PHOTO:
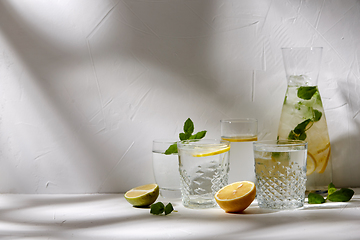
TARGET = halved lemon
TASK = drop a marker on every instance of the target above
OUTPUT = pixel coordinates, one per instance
(211, 151)
(142, 196)
(236, 197)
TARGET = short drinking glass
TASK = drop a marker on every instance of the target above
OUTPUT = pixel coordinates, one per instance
(204, 168)
(241, 133)
(280, 169)
(166, 169)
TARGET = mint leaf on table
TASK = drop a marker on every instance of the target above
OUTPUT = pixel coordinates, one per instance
(168, 208)
(157, 208)
(186, 135)
(331, 189)
(334, 195)
(314, 198)
(342, 195)
(306, 92)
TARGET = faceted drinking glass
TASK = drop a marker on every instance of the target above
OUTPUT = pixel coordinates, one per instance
(204, 169)
(280, 169)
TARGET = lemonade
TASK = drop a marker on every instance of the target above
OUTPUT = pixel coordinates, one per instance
(241, 158)
(303, 115)
(303, 118)
(280, 168)
(241, 133)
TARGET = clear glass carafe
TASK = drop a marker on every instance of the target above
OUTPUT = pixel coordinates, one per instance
(303, 116)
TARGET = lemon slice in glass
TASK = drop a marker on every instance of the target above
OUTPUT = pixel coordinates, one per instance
(142, 196)
(210, 151)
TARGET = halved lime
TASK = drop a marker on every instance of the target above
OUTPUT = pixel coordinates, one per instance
(142, 196)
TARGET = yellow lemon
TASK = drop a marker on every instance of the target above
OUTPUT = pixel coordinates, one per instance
(236, 197)
(142, 196)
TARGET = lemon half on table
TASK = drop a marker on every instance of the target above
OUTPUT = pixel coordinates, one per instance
(142, 196)
(236, 197)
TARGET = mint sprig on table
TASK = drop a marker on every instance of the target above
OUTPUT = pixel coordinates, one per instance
(186, 135)
(159, 208)
(334, 195)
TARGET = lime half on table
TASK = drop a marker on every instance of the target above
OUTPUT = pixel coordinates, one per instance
(142, 196)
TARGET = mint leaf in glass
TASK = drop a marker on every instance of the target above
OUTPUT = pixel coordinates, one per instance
(172, 149)
(317, 115)
(314, 198)
(301, 127)
(168, 208)
(186, 135)
(157, 208)
(188, 127)
(299, 131)
(306, 92)
(342, 195)
(198, 135)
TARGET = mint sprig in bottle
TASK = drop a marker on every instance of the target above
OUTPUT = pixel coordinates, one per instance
(303, 116)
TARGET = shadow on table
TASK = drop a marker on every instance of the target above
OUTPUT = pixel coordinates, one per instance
(59, 216)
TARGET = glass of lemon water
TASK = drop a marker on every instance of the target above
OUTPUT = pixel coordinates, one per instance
(280, 167)
(241, 133)
(204, 169)
(166, 169)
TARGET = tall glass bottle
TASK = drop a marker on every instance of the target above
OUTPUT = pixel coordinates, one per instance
(303, 116)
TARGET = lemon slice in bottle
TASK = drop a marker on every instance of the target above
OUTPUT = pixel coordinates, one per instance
(310, 164)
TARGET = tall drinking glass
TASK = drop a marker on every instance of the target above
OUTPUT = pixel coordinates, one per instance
(303, 115)
(204, 168)
(166, 169)
(241, 133)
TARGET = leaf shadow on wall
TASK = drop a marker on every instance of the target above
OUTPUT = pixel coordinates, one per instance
(33, 47)
(345, 148)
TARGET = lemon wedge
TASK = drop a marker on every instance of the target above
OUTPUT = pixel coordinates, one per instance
(236, 197)
(142, 196)
(211, 151)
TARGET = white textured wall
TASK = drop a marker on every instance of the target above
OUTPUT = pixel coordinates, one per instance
(85, 86)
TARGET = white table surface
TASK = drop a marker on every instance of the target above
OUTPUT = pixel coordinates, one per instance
(109, 216)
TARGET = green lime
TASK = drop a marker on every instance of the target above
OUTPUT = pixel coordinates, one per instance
(142, 196)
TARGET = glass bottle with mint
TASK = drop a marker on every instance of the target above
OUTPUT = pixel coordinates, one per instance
(303, 116)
